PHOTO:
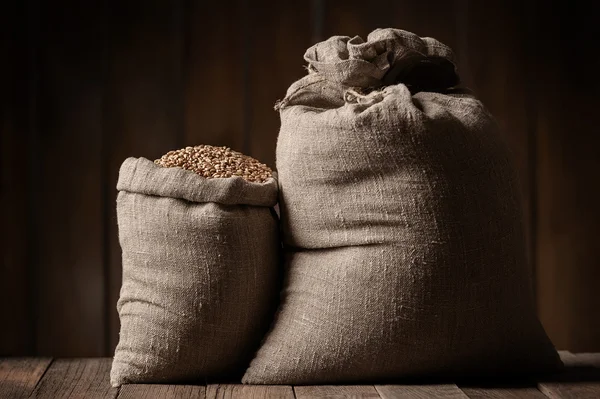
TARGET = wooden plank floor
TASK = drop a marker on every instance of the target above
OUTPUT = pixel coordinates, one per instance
(88, 378)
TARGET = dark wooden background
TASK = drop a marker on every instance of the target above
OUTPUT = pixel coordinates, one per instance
(87, 84)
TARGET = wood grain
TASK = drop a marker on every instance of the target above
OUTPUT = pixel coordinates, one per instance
(568, 163)
(77, 378)
(214, 74)
(421, 18)
(16, 156)
(89, 378)
(335, 391)
(278, 37)
(69, 250)
(143, 111)
(571, 390)
(516, 392)
(580, 379)
(353, 18)
(448, 391)
(19, 376)
(151, 391)
(498, 74)
(238, 391)
(572, 360)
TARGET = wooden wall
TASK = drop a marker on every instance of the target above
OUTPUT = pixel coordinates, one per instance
(87, 84)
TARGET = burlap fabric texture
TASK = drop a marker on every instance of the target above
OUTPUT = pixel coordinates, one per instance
(200, 270)
(402, 225)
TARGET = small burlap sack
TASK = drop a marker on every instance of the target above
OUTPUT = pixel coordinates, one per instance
(200, 266)
(401, 223)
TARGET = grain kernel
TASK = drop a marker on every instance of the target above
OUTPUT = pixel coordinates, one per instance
(216, 162)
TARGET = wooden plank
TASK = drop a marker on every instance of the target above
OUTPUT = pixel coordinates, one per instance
(151, 391)
(499, 392)
(215, 77)
(77, 378)
(499, 77)
(19, 376)
(580, 379)
(580, 359)
(581, 390)
(69, 251)
(16, 333)
(278, 35)
(238, 391)
(568, 165)
(335, 391)
(447, 391)
(143, 111)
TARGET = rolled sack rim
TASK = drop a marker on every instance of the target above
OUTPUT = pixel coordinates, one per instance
(142, 176)
(383, 59)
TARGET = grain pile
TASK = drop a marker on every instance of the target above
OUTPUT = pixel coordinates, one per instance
(216, 162)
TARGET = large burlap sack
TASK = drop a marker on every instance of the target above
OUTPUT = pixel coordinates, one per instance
(401, 223)
(200, 266)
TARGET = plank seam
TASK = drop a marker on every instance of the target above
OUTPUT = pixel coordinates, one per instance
(294, 391)
(378, 391)
(50, 363)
